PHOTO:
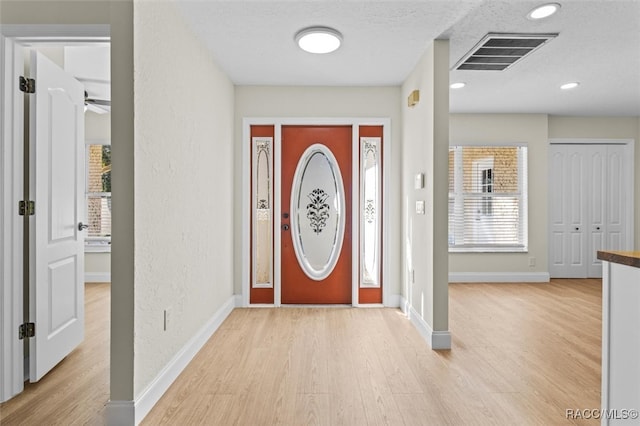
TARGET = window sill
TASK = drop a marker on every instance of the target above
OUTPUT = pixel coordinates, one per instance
(97, 248)
(488, 250)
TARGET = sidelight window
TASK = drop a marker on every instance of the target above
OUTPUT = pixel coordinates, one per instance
(262, 205)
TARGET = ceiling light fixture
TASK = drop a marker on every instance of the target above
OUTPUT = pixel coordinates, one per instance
(318, 39)
(569, 86)
(459, 85)
(543, 11)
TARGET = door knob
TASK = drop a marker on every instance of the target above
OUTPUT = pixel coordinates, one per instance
(82, 226)
(285, 227)
(577, 229)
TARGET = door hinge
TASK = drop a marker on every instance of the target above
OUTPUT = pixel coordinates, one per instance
(27, 208)
(27, 85)
(26, 330)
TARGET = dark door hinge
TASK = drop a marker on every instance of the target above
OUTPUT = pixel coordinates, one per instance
(26, 330)
(27, 208)
(27, 85)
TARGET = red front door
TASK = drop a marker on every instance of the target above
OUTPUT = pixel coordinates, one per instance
(316, 214)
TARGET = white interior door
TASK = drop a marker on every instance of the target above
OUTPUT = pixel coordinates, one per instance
(567, 213)
(56, 283)
(596, 188)
(619, 174)
(588, 208)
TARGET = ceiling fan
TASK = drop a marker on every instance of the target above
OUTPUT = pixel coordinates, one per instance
(99, 106)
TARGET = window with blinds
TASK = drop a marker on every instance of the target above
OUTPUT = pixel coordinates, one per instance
(488, 198)
(98, 193)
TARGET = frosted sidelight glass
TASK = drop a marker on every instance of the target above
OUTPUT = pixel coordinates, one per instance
(370, 202)
(262, 211)
(317, 212)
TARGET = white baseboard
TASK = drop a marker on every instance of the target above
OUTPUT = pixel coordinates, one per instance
(438, 340)
(97, 277)
(124, 413)
(393, 301)
(499, 277)
(237, 301)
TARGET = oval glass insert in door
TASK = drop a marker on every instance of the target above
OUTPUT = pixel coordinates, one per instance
(317, 212)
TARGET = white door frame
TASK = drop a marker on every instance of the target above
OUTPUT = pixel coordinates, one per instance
(11, 224)
(629, 212)
(278, 122)
(13, 38)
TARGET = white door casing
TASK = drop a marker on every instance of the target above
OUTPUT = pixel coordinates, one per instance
(56, 250)
(11, 224)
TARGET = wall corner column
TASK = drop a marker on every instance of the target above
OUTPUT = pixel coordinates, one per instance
(441, 195)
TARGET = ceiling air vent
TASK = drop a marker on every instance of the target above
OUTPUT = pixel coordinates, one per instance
(497, 52)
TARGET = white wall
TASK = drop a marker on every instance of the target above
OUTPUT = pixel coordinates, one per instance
(425, 133)
(260, 101)
(536, 130)
(507, 128)
(184, 198)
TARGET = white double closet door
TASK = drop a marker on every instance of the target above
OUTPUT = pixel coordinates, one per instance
(588, 207)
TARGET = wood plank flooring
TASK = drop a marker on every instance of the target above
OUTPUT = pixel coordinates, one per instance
(76, 391)
(522, 354)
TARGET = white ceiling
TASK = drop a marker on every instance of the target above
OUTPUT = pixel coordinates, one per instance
(598, 45)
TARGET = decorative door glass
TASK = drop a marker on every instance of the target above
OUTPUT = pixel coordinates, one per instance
(317, 212)
(262, 205)
(370, 202)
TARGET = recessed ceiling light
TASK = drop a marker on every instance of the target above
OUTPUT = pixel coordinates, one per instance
(318, 39)
(459, 85)
(568, 86)
(543, 11)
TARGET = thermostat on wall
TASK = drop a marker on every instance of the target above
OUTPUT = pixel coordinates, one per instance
(419, 181)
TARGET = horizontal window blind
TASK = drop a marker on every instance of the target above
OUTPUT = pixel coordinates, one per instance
(487, 198)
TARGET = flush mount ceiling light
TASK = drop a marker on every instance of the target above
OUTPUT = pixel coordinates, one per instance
(459, 85)
(318, 39)
(543, 11)
(569, 86)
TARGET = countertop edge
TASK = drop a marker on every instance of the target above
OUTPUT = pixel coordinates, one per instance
(629, 258)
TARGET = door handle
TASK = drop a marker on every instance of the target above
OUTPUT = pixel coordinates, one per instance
(82, 226)
(285, 227)
(577, 229)
(597, 228)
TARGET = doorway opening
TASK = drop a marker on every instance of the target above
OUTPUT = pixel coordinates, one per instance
(85, 60)
(314, 216)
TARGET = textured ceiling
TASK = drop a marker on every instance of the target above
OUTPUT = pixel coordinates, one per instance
(598, 45)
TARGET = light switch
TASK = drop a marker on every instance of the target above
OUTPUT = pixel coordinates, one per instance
(420, 207)
(419, 181)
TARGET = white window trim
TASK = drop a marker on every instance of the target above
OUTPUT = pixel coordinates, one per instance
(523, 189)
(94, 244)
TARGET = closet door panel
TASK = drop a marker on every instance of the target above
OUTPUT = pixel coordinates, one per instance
(596, 211)
(615, 206)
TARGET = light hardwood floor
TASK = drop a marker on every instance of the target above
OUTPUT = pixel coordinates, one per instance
(522, 354)
(76, 391)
